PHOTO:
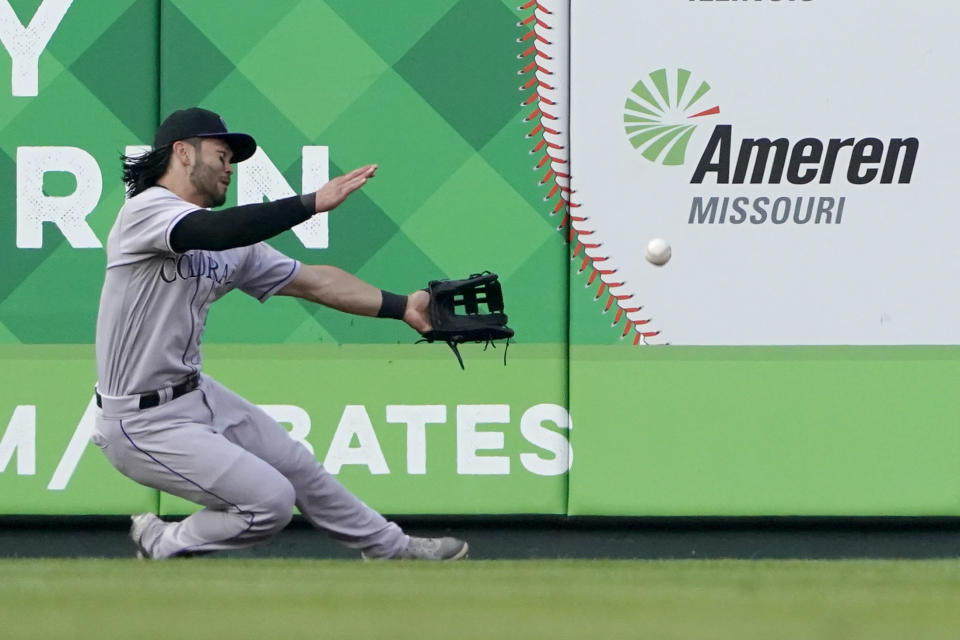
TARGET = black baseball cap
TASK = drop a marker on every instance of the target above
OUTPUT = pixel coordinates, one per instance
(201, 123)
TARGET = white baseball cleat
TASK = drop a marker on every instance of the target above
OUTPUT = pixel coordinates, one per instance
(138, 526)
(429, 549)
(434, 549)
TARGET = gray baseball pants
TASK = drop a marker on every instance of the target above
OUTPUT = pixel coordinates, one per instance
(218, 450)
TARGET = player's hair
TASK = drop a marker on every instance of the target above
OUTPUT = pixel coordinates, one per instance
(140, 172)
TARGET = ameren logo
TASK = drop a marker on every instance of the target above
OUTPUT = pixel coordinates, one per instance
(802, 162)
(659, 121)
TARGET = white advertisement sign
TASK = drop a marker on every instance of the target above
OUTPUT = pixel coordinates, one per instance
(799, 157)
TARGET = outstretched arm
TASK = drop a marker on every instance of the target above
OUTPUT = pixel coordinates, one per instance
(335, 288)
(248, 224)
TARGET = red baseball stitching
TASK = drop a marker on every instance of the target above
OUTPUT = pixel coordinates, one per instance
(545, 112)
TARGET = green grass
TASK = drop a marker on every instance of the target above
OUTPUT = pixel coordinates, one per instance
(283, 599)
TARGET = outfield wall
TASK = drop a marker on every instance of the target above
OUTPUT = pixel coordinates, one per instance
(809, 366)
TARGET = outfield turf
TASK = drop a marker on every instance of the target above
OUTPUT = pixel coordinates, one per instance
(280, 599)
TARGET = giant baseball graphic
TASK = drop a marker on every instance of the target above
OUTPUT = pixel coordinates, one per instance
(799, 157)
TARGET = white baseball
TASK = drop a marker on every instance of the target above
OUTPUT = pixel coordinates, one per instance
(658, 252)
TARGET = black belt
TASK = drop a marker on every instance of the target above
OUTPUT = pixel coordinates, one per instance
(152, 399)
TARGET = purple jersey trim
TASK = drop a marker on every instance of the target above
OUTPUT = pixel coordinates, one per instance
(177, 218)
(203, 327)
(198, 486)
(282, 283)
(193, 326)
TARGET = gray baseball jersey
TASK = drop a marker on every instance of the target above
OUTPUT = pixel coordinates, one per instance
(154, 303)
(210, 445)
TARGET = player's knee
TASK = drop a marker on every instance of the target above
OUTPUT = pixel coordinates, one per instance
(276, 512)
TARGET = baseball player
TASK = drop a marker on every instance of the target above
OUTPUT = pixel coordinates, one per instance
(164, 423)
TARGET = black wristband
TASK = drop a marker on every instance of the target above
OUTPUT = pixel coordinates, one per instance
(393, 305)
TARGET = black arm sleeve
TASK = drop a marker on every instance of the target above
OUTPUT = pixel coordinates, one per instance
(239, 226)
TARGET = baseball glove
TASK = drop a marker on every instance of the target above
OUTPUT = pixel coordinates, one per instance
(449, 296)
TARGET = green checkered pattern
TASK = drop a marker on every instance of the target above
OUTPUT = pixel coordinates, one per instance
(429, 93)
(98, 82)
